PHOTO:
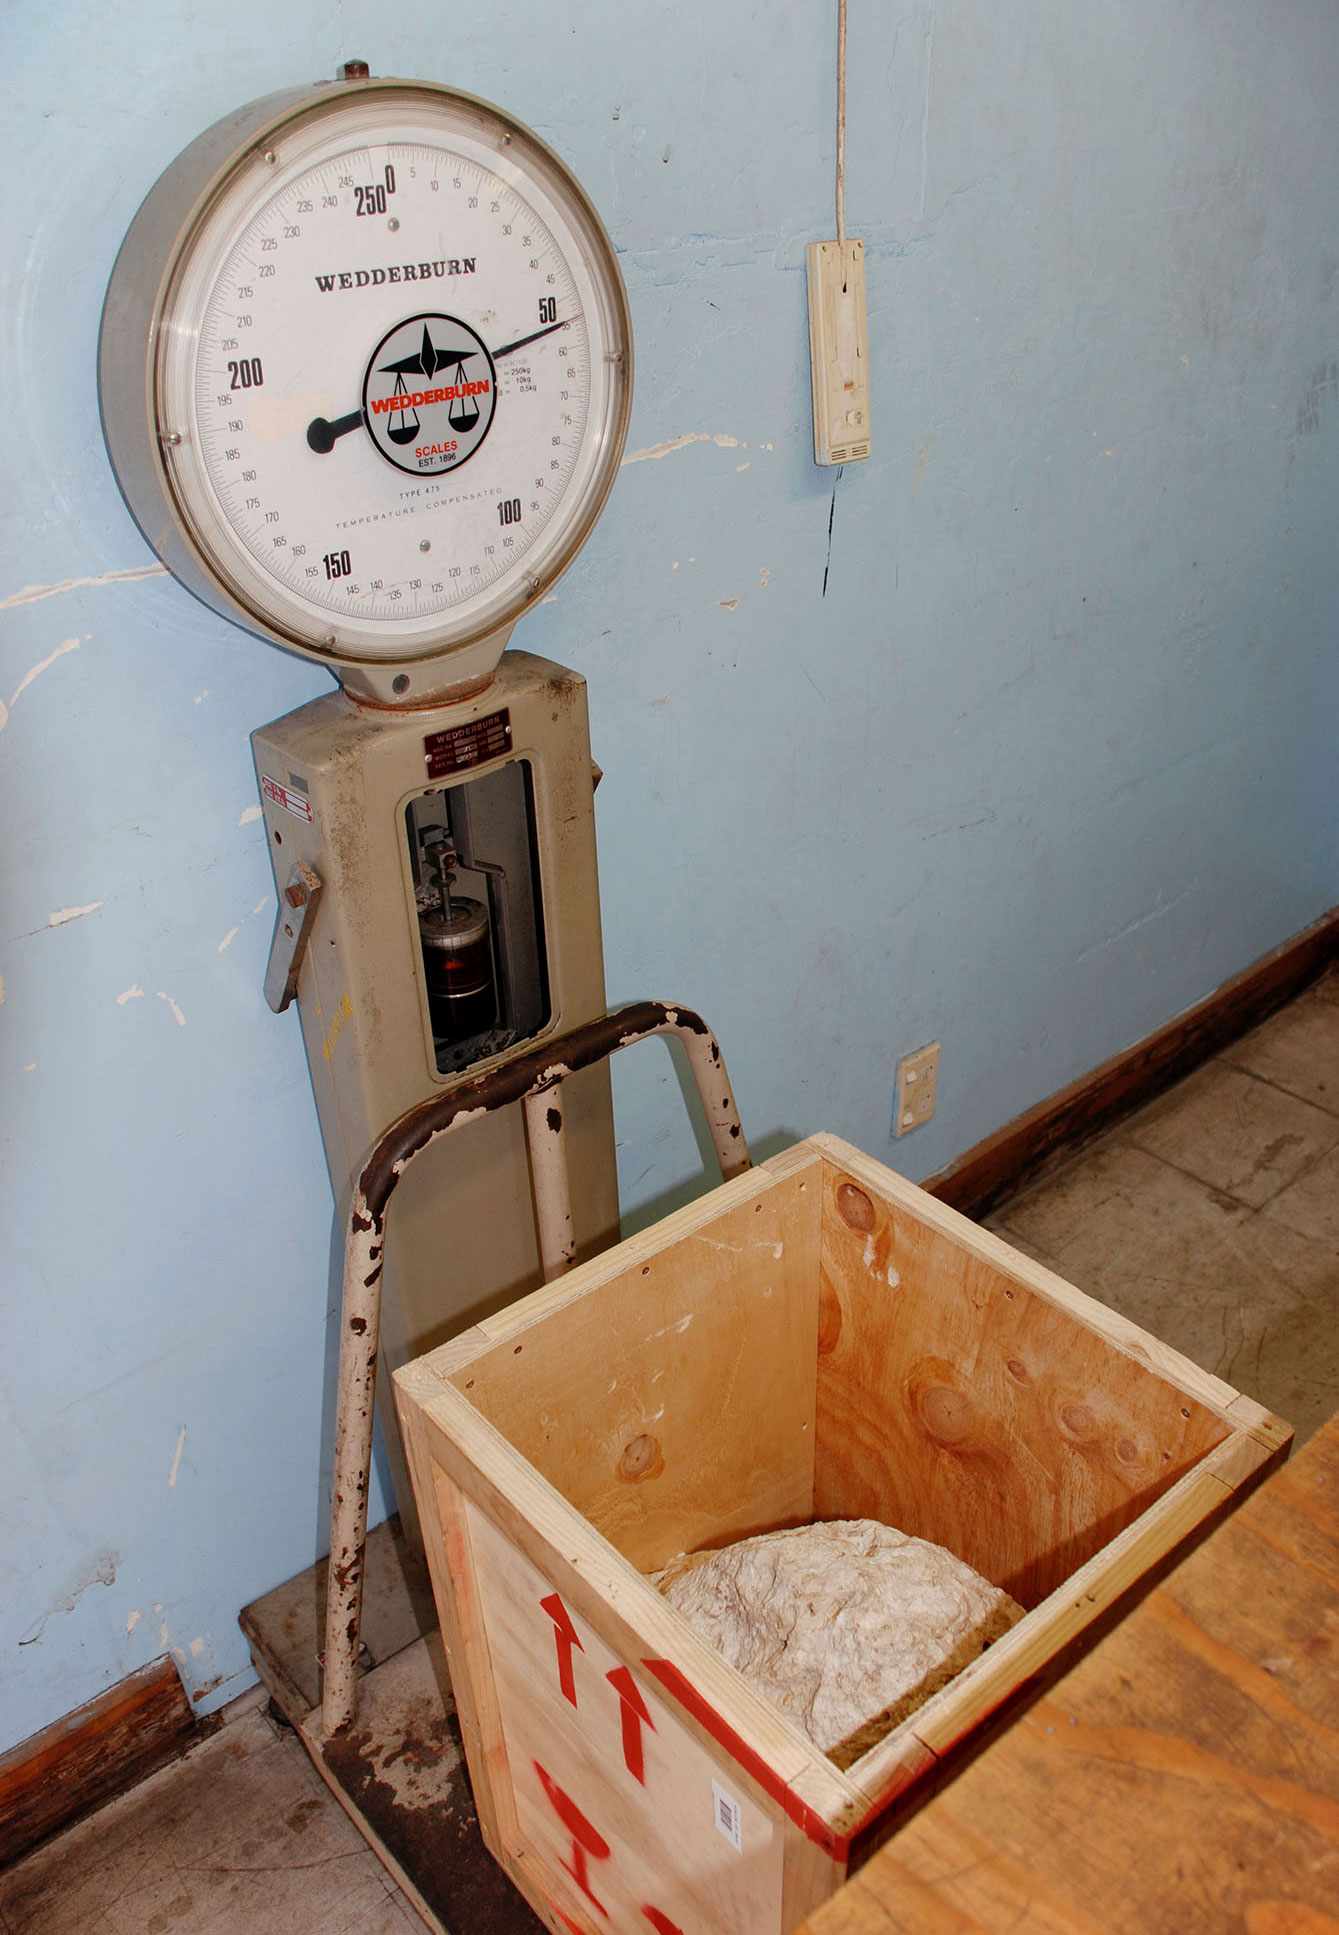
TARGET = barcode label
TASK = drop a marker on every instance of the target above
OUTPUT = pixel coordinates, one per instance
(729, 1816)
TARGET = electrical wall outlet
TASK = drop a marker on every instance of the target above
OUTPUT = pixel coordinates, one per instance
(917, 1079)
(838, 351)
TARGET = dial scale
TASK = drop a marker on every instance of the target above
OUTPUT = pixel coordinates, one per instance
(365, 373)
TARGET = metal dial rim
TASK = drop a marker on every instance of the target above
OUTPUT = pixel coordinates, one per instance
(534, 170)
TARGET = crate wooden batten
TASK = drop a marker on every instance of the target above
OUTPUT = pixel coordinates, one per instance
(741, 1399)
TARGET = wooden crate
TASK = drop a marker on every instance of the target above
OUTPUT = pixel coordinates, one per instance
(816, 1339)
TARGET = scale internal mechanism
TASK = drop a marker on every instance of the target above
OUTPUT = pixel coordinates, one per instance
(480, 920)
(365, 374)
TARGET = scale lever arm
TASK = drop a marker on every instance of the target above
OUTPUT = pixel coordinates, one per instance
(292, 930)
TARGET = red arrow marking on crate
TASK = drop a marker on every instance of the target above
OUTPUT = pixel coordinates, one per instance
(586, 1839)
(635, 1717)
(566, 1637)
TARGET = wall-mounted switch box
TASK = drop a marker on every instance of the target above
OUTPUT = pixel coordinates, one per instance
(917, 1078)
(838, 351)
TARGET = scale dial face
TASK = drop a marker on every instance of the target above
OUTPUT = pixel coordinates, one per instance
(391, 371)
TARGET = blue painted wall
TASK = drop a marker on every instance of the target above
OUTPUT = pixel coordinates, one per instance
(1017, 736)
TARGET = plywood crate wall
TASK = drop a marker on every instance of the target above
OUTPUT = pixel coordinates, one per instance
(817, 1339)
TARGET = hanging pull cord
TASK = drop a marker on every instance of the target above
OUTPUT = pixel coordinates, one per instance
(841, 136)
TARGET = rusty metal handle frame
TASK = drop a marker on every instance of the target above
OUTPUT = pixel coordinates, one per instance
(533, 1079)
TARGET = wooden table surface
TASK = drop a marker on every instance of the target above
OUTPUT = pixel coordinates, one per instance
(1185, 1775)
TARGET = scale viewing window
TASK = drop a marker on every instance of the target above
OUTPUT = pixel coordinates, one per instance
(474, 863)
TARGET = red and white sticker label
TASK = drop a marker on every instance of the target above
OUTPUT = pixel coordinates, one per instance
(294, 803)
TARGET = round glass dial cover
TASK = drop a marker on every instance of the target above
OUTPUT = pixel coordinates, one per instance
(391, 373)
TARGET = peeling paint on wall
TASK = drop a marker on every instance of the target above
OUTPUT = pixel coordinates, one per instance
(233, 932)
(655, 451)
(177, 1015)
(34, 671)
(31, 593)
(1122, 932)
(249, 814)
(132, 993)
(100, 1570)
(176, 1460)
(63, 915)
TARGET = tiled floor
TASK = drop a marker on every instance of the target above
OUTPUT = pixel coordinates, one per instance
(1211, 1218)
(240, 1838)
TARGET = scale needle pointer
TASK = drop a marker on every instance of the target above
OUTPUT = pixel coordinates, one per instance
(521, 341)
(322, 434)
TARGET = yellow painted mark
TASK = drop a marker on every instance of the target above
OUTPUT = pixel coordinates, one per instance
(343, 1013)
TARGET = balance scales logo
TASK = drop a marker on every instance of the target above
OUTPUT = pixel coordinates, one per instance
(429, 394)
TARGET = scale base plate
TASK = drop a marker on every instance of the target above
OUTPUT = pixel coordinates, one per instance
(399, 1773)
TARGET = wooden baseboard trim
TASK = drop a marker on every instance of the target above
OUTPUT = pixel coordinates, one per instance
(1001, 1163)
(49, 1782)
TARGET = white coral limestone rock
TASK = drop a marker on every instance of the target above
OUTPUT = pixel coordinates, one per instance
(846, 1625)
